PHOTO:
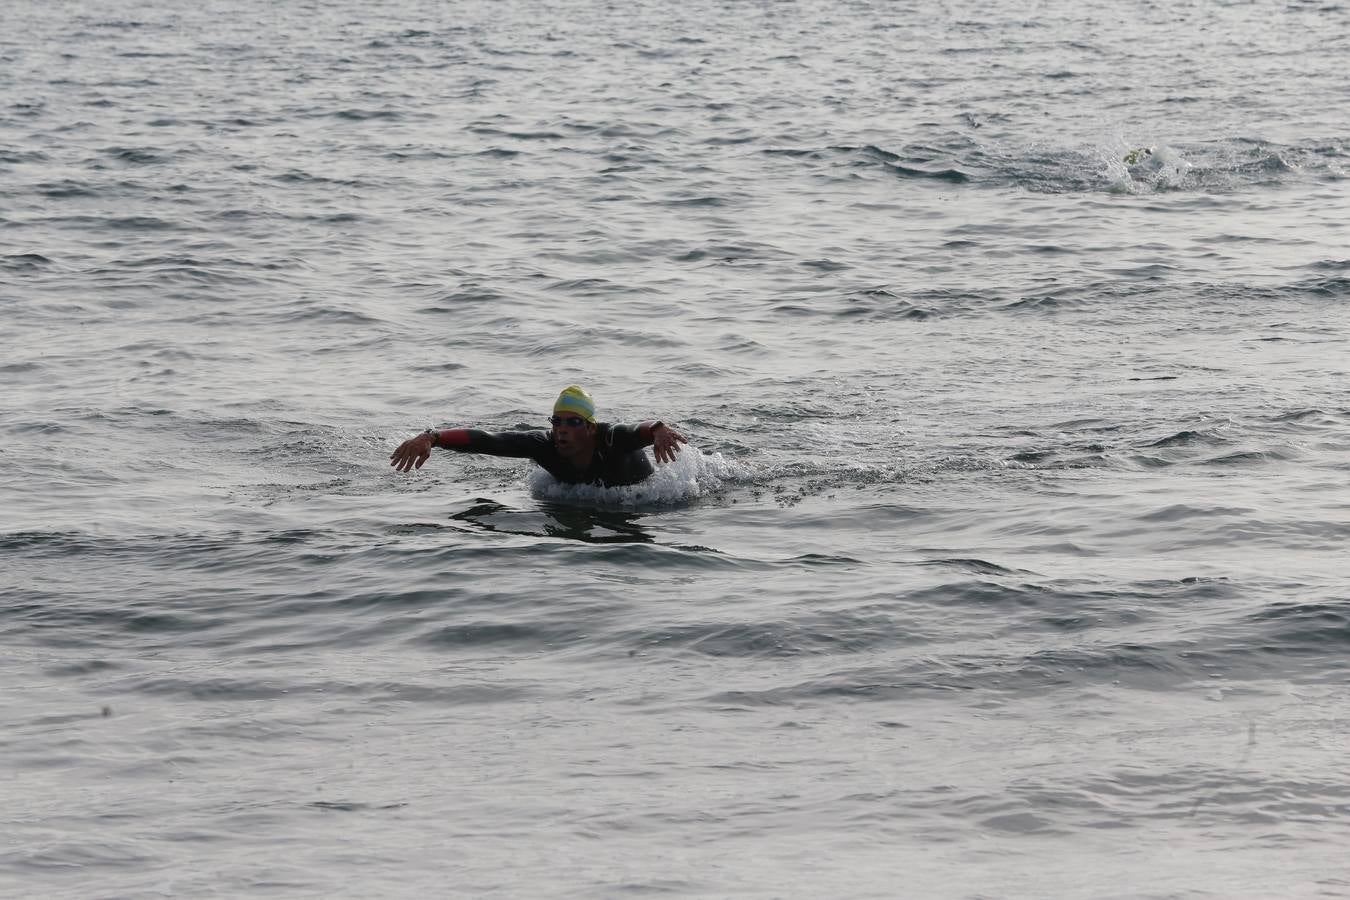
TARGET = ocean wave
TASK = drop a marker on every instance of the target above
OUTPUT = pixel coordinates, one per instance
(1219, 166)
(24, 262)
(1161, 666)
(243, 689)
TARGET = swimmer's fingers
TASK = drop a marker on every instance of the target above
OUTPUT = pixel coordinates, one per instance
(666, 444)
(411, 454)
(412, 460)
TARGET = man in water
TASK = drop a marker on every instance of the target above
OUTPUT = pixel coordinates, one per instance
(577, 450)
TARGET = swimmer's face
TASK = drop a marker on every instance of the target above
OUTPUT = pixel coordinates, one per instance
(570, 431)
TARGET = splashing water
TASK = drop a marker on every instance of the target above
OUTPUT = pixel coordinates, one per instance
(692, 475)
(1147, 168)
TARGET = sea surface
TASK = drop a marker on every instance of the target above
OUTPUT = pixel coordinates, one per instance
(1007, 559)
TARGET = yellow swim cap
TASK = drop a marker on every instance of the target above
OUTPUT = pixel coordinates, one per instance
(576, 401)
(1137, 155)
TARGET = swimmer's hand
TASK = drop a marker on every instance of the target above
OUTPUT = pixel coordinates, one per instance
(666, 443)
(411, 453)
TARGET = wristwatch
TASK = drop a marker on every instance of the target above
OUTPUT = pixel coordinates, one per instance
(435, 437)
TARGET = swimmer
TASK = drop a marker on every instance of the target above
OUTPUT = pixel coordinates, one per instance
(576, 450)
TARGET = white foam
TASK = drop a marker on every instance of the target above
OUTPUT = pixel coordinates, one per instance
(693, 474)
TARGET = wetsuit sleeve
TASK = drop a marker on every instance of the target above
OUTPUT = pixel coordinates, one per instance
(523, 444)
(626, 438)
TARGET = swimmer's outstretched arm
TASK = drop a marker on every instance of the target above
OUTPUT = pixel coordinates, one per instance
(415, 451)
(665, 440)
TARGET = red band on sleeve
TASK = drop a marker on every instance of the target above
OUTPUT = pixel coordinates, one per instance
(453, 437)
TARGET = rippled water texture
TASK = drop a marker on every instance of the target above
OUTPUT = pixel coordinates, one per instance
(1007, 558)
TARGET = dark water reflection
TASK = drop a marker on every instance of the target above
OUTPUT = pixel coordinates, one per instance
(558, 520)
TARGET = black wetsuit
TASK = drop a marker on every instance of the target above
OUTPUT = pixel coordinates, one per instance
(618, 457)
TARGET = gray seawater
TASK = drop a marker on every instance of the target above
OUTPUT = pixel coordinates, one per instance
(1008, 558)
